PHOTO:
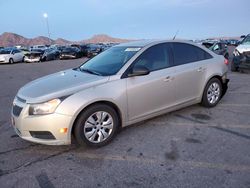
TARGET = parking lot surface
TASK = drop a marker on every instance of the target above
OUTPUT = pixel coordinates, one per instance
(192, 147)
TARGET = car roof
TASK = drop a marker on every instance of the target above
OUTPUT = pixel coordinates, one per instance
(143, 43)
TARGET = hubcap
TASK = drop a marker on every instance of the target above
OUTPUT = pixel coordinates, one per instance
(98, 127)
(213, 93)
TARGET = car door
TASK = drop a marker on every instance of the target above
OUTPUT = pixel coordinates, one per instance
(191, 65)
(14, 55)
(17, 55)
(153, 92)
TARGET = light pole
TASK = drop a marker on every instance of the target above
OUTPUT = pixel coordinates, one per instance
(45, 15)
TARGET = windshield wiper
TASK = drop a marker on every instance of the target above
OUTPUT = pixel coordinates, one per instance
(90, 71)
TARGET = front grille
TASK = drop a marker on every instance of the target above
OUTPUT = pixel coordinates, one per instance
(42, 135)
(16, 110)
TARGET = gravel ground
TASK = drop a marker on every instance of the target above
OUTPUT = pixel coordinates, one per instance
(192, 147)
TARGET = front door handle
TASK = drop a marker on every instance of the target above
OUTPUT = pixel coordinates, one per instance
(168, 79)
(201, 69)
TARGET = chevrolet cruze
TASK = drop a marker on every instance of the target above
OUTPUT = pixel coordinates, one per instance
(125, 84)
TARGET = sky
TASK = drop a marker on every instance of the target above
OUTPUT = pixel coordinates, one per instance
(132, 19)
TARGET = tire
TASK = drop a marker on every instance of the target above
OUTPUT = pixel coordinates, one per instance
(234, 68)
(212, 93)
(89, 129)
(11, 61)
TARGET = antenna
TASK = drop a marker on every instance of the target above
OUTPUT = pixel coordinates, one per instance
(176, 34)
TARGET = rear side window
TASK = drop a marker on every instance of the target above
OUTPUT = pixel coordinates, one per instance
(154, 58)
(187, 53)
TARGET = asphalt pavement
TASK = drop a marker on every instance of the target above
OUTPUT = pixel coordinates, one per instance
(192, 147)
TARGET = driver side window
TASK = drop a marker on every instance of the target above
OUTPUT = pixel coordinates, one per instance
(154, 58)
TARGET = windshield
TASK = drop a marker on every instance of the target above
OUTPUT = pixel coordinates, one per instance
(111, 61)
(246, 40)
(5, 51)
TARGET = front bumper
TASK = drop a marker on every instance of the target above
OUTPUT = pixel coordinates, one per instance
(242, 61)
(67, 56)
(25, 126)
(32, 60)
(3, 61)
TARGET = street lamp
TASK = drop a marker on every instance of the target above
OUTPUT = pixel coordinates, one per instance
(45, 15)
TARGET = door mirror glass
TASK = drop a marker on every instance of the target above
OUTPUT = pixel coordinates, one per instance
(139, 71)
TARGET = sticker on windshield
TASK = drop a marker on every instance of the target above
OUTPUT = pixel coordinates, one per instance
(132, 49)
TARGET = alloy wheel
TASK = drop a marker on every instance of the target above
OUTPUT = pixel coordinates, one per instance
(213, 93)
(98, 127)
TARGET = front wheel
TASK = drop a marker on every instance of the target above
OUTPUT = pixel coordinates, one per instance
(11, 61)
(212, 93)
(96, 126)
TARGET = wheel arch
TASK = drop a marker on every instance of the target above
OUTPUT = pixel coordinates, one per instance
(218, 76)
(106, 102)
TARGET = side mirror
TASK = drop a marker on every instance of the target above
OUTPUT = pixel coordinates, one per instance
(242, 36)
(138, 71)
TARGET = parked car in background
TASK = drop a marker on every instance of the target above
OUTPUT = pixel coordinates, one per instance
(208, 44)
(60, 48)
(24, 50)
(93, 50)
(123, 85)
(241, 59)
(50, 54)
(70, 53)
(233, 42)
(33, 57)
(82, 48)
(11, 55)
(220, 48)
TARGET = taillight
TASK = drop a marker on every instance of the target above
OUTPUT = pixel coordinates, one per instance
(226, 61)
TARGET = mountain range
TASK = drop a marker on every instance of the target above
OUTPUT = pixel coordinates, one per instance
(12, 39)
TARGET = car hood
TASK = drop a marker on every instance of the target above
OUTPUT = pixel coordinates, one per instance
(58, 85)
(243, 48)
(4, 55)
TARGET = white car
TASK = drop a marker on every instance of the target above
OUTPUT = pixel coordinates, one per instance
(11, 55)
(241, 58)
(244, 46)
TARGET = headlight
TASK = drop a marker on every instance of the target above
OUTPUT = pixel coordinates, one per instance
(236, 53)
(44, 108)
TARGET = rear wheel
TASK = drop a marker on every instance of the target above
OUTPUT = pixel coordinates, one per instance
(212, 93)
(96, 126)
